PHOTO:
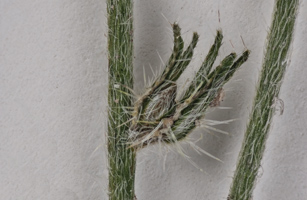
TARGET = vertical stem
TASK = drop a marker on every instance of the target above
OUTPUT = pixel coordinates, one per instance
(273, 68)
(121, 158)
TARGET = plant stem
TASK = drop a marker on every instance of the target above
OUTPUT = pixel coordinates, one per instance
(273, 69)
(121, 158)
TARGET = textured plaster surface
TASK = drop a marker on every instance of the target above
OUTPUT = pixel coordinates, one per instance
(53, 94)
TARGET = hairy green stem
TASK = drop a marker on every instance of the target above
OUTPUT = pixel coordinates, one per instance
(273, 68)
(121, 158)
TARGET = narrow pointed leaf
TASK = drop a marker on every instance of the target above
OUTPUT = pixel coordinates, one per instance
(206, 66)
(183, 60)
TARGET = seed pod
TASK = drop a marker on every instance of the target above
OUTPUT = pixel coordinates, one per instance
(160, 102)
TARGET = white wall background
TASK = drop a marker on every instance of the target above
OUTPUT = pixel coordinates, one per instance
(53, 93)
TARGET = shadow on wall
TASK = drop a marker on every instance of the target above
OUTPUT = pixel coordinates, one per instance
(88, 27)
(152, 40)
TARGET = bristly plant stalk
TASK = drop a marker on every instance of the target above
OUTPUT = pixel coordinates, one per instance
(273, 69)
(120, 46)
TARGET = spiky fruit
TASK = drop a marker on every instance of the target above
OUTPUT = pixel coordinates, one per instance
(158, 117)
